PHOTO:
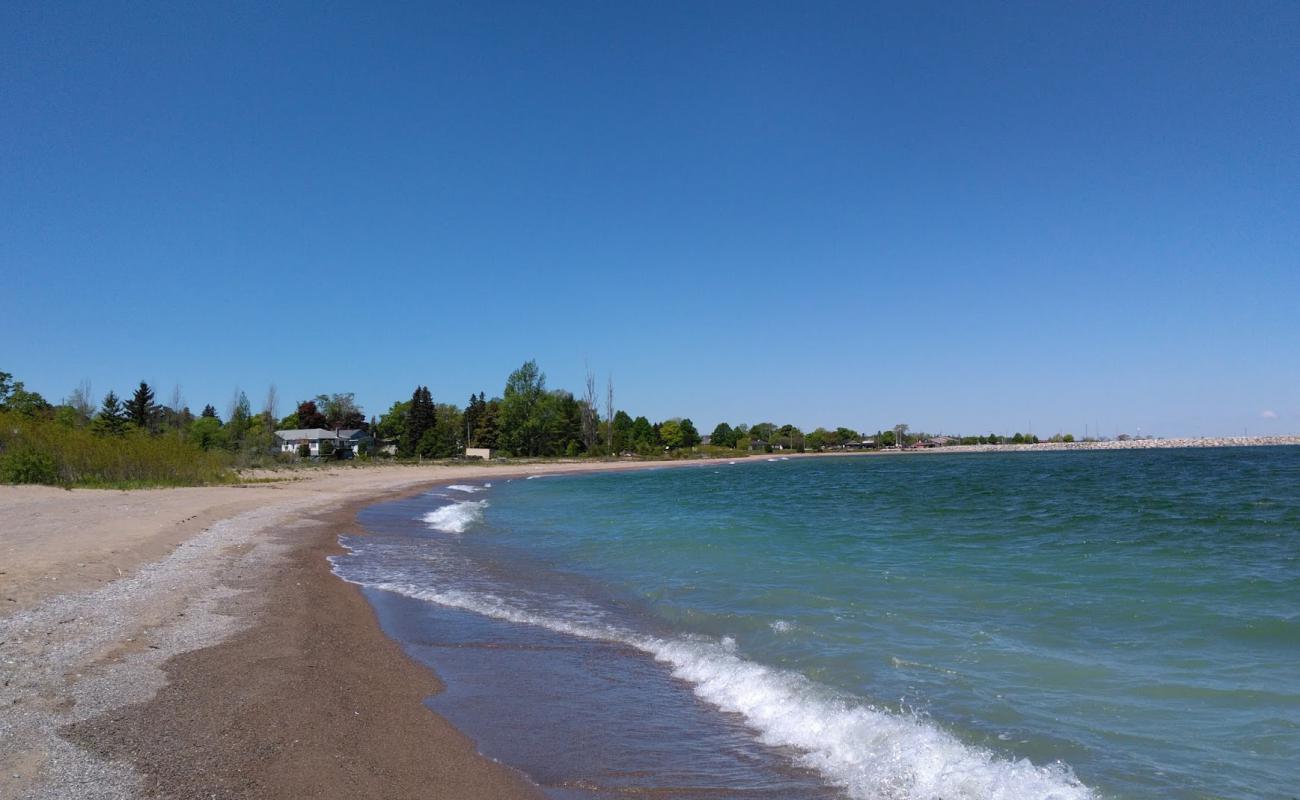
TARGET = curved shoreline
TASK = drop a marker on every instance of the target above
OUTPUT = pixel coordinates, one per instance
(226, 661)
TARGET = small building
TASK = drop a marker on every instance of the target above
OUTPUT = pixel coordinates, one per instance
(758, 444)
(939, 441)
(355, 441)
(484, 453)
(320, 442)
(861, 444)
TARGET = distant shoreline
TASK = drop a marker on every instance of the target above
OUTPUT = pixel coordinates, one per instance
(1131, 444)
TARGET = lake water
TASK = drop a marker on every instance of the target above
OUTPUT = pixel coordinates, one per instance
(1049, 625)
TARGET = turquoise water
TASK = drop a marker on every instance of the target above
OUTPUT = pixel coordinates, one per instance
(1122, 624)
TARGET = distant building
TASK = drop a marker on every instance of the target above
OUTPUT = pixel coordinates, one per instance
(939, 441)
(861, 444)
(342, 444)
(484, 453)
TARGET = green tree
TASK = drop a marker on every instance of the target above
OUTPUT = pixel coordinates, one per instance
(690, 436)
(420, 419)
(621, 438)
(643, 437)
(110, 419)
(523, 420)
(1069, 437)
(207, 433)
(763, 430)
(485, 433)
(473, 415)
(26, 403)
(241, 419)
(341, 411)
(671, 434)
(391, 426)
(723, 436)
(15, 397)
(141, 410)
(210, 412)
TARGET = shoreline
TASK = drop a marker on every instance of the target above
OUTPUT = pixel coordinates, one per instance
(224, 658)
(1129, 444)
(227, 661)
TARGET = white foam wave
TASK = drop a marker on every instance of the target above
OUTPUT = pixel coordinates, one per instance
(533, 477)
(781, 626)
(461, 487)
(457, 517)
(868, 752)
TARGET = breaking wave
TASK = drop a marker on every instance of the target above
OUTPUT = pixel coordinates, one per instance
(868, 752)
(457, 517)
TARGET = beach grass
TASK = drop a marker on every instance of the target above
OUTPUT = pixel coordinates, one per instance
(35, 450)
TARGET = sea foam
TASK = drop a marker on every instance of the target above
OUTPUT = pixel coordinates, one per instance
(868, 752)
(461, 487)
(457, 517)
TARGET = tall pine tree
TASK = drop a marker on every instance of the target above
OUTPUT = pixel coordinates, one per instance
(473, 415)
(420, 419)
(141, 409)
(110, 418)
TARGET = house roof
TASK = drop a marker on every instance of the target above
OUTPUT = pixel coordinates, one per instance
(306, 433)
(351, 433)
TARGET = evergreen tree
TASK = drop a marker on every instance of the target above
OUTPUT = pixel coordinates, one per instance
(141, 410)
(209, 412)
(485, 433)
(622, 437)
(473, 414)
(420, 419)
(110, 419)
(690, 436)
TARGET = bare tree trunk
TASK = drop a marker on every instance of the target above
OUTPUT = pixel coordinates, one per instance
(609, 414)
(175, 403)
(590, 416)
(271, 407)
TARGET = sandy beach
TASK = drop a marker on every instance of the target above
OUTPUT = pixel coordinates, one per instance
(193, 643)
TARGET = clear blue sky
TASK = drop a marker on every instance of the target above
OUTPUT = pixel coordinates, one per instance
(958, 216)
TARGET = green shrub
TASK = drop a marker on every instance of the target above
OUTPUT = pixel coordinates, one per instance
(27, 466)
(37, 450)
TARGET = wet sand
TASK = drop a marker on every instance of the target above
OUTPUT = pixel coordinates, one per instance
(311, 701)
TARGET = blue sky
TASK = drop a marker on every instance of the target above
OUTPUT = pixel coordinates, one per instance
(960, 216)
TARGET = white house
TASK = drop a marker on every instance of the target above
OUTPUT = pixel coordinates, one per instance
(342, 444)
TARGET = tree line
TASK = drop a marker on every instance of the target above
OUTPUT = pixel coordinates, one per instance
(527, 419)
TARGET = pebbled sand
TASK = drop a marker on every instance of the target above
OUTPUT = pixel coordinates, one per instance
(192, 643)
